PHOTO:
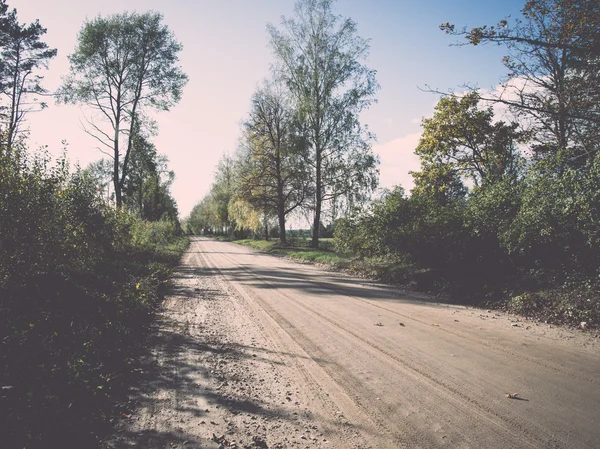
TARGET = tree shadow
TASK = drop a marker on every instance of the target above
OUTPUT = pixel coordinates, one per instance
(176, 362)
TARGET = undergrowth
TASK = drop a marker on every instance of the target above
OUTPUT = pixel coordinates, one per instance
(78, 284)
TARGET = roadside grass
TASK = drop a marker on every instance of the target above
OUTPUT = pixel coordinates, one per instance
(299, 250)
(263, 245)
(222, 238)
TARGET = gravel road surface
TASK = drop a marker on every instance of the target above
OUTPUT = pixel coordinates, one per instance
(256, 351)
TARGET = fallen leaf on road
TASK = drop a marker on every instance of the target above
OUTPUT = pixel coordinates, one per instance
(456, 321)
(436, 325)
(402, 324)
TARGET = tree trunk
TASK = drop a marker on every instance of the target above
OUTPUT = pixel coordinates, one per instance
(116, 171)
(266, 224)
(116, 182)
(318, 200)
(13, 106)
(141, 197)
(282, 238)
(280, 205)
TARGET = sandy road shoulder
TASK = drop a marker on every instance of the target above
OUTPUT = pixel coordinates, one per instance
(215, 378)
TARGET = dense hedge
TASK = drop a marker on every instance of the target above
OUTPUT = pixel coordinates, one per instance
(78, 280)
(535, 242)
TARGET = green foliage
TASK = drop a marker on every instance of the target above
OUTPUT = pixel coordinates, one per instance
(557, 228)
(211, 215)
(123, 64)
(462, 141)
(245, 215)
(321, 58)
(77, 281)
(22, 55)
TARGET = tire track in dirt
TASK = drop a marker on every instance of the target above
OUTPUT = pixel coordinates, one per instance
(525, 431)
(330, 399)
(445, 392)
(476, 341)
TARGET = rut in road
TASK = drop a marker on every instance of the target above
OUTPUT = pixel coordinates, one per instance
(472, 402)
(364, 380)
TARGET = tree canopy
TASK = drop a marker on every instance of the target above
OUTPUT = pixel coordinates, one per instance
(22, 55)
(553, 66)
(320, 57)
(122, 65)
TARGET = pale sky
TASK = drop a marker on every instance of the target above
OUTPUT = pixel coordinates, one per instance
(226, 56)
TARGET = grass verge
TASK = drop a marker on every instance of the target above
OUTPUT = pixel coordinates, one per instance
(298, 252)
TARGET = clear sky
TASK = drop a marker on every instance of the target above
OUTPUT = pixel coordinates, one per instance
(226, 56)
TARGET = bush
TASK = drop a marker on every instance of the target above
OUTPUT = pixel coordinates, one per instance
(147, 235)
(557, 228)
(571, 303)
(77, 281)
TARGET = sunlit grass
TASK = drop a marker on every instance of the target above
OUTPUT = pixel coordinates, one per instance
(262, 245)
(322, 255)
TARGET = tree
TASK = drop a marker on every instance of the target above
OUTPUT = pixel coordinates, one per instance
(273, 168)
(222, 191)
(320, 57)
(157, 202)
(462, 140)
(553, 66)
(440, 182)
(122, 65)
(202, 219)
(142, 165)
(22, 54)
(147, 186)
(246, 217)
(100, 172)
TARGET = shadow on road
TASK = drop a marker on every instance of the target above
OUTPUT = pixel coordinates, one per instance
(179, 371)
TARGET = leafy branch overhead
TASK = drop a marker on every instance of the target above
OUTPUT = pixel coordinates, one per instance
(553, 62)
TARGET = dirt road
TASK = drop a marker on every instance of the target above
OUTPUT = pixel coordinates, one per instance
(257, 351)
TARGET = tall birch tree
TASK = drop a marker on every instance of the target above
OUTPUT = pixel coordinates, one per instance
(273, 169)
(321, 59)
